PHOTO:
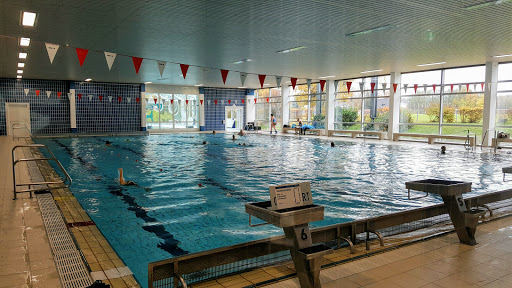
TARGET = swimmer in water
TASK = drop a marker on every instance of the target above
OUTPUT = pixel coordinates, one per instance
(213, 132)
(107, 143)
(443, 149)
(241, 133)
(122, 181)
(204, 142)
(332, 144)
(234, 138)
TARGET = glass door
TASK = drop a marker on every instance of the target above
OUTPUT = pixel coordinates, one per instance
(233, 118)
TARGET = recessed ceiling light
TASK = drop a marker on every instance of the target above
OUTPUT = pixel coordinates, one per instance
(371, 30)
(148, 82)
(24, 41)
(430, 64)
(29, 18)
(88, 80)
(19, 71)
(198, 85)
(501, 56)
(323, 77)
(19, 76)
(291, 49)
(370, 71)
(22, 55)
(21, 65)
(243, 61)
(243, 87)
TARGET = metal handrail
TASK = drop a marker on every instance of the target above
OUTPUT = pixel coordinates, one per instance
(24, 126)
(182, 281)
(65, 183)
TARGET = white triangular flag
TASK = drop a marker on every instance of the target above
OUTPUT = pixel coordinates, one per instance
(361, 86)
(278, 80)
(110, 59)
(336, 85)
(405, 87)
(425, 88)
(222, 102)
(70, 95)
(90, 97)
(128, 99)
(208, 101)
(474, 87)
(308, 81)
(110, 99)
(242, 78)
(235, 100)
(48, 93)
(26, 91)
(460, 87)
(161, 67)
(384, 86)
(52, 50)
(179, 102)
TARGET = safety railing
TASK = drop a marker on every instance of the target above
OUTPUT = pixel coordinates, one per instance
(42, 185)
(20, 126)
(235, 258)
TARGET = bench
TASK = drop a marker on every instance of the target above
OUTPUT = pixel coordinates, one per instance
(496, 141)
(433, 138)
(355, 133)
(320, 132)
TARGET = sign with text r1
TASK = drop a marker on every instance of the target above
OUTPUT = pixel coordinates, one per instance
(290, 195)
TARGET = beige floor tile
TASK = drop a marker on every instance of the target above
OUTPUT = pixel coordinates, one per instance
(427, 274)
(340, 283)
(14, 279)
(497, 284)
(408, 281)
(454, 282)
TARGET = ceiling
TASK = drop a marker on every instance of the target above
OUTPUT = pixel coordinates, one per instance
(215, 34)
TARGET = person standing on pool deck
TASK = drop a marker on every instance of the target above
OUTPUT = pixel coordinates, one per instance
(273, 123)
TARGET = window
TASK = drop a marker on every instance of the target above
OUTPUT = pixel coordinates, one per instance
(308, 105)
(504, 99)
(268, 101)
(171, 111)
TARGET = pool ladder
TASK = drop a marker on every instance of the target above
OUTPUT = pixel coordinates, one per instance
(64, 183)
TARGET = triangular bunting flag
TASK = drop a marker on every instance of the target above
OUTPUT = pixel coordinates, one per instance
(278, 80)
(101, 97)
(294, 82)
(161, 67)
(242, 101)
(37, 92)
(172, 101)
(119, 99)
(460, 87)
(415, 87)
(242, 77)
(79, 96)
(201, 101)
(208, 102)
(467, 87)
(384, 86)
(322, 85)
(229, 102)
(26, 91)
(394, 87)
(434, 87)
(52, 50)
(425, 86)
(69, 95)
(372, 86)
(361, 86)
(262, 79)
(474, 87)
(136, 63)
(254, 100)
(222, 102)
(186, 102)
(110, 57)
(336, 82)
(348, 86)
(48, 93)
(129, 99)
(215, 102)
(482, 84)
(267, 100)
(110, 99)
(58, 94)
(405, 87)
(451, 88)
(184, 69)
(224, 74)
(81, 53)
(308, 82)
(156, 99)
(137, 99)
(90, 97)
(235, 102)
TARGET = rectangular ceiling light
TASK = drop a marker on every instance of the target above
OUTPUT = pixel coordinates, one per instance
(371, 30)
(25, 42)
(22, 55)
(370, 71)
(291, 49)
(323, 77)
(430, 64)
(148, 82)
(21, 65)
(88, 80)
(29, 19)
(198, 85)
(243, 87)
(19, 76)
(483, 4)
(243, 61)
(501, 56)
(19, 71)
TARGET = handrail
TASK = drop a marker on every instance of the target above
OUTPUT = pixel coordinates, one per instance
(24, 126)
(66, 182)
(182, 281)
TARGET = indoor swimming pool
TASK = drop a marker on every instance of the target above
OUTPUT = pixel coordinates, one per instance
(169, 214)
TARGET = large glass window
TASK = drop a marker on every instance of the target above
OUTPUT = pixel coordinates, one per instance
(308, 105)
(362, 109)
(268, 101)
(504, 99)
(171, 111)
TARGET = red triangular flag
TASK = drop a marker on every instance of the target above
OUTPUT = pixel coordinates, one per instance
(155, 100)
(58, 94)
(79, 96)
(482, 86)
(184, 69)
(101, 97)
(242, 101)
(215, 102)
(372, 85)
(349, 84)
(294, 82)
(201, 102)
(451, 88)
(262, 79)
(467, 87)
(394, 87)
(224, 74)
(81, 53)
(37, 92)
(267, 100)
(172, 101)
(322, 85)
(254, 100)
(119, 99)
(136, 63)
(186, 102)
(137, 99)
(229, 102)
(415, 87)
(434, 86)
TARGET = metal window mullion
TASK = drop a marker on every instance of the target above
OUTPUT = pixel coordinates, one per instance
(441, 92)
(173, 116)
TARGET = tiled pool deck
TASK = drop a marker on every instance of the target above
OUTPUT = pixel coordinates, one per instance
(26, 259)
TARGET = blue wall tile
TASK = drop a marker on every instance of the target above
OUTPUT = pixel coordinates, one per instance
(215, 113)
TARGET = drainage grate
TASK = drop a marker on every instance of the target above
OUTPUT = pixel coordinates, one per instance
(72, 270)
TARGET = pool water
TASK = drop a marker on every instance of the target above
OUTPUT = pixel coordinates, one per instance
(168, 214)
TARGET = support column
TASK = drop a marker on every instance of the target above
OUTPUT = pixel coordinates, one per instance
(72, 107)
(490, 95)
(330, 95)
(250, 108)
(202, 126)
(142, 107)
(285, 109)
(394, 104)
